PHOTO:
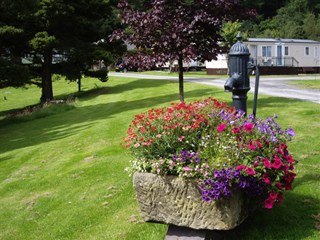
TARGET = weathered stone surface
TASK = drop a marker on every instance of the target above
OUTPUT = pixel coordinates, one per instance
(173, 200)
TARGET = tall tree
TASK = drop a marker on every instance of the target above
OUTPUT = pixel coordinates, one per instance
(63, 36)
(167, 30)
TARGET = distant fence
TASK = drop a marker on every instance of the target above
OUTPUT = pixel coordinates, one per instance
(277, 61)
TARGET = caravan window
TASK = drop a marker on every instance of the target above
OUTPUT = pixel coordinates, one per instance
(286, 51)
(307, 51)
(266, 51)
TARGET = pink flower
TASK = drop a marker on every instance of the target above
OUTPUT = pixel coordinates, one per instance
(240, 167)
(252, 147)
(250, 171)
(248, 127)
(235, 130)
(221, 127)
(289, 158)
(277, 163)
(181, 138)
(273, 195)
(266, 163)
(187, 169)
(147, 143)
(136, 145)
(258, 143)
(283, 146)
(158, 135)
(279, 186)
(285, 168)
(268, 203)
(266, 179)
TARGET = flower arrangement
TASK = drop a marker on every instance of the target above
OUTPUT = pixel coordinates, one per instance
(218, 147)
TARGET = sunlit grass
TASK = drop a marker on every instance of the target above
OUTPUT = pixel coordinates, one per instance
(62, 173)
(308, 84)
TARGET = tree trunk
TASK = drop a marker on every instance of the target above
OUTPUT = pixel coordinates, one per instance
(181, 91)
(47, 92)
(79, 84)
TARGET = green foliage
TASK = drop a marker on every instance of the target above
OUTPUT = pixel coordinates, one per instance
(292, 19)
(230, 30)
(75, 31)
(42, 40)
(14, 75)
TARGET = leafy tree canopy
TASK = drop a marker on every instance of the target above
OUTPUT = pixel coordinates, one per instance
(166, 30)
(64, 36)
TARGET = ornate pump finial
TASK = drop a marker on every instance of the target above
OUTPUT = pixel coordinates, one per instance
(239, 37)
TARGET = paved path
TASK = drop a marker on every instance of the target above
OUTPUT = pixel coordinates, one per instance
(273, 86)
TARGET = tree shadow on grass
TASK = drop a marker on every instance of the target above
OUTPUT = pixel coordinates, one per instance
(98, 91)
(71, 122)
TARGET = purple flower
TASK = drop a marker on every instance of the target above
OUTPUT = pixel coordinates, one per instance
(290, 132)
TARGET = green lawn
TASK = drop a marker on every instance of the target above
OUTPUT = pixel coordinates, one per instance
(308, 84)
(62, 172)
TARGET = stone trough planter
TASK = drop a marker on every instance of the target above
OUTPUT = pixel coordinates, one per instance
(174, 200)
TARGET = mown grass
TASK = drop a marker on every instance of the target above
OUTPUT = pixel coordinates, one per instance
(62, 174)
(309, 84)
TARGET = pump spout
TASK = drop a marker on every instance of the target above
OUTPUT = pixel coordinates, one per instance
(232, 82)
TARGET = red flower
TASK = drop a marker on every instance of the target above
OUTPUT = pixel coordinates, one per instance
(142, 130)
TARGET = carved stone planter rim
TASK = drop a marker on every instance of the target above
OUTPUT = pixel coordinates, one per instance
(177, 201)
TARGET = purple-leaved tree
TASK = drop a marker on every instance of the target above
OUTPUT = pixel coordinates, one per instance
(183, 30)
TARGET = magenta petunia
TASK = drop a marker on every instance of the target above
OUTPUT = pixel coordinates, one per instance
(289, 158)
(273, 195)
(251, 147)
(266, 179)
(277, 163)
(248, 127)
(241, 167)
(221, 127)
(268, 203)
(267, 163)
(250, 171)
(279, 186)
(235, 130)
